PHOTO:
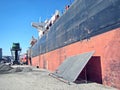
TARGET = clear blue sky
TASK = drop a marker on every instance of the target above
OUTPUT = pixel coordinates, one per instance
(16, 17)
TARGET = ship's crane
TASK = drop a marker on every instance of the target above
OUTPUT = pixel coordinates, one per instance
(15, 51)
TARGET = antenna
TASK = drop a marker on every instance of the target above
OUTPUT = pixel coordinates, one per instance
(40, 19)
(70, 2)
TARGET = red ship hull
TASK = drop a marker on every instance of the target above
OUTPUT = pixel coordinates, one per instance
(107, 56)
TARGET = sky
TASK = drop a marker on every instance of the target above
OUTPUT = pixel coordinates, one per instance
(16, 17)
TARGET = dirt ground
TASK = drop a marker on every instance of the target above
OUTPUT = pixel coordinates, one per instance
(31, 78)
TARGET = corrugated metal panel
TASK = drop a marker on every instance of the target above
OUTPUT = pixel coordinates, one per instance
(72, 66)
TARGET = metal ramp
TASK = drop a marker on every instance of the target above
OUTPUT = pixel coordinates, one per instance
(70, 69)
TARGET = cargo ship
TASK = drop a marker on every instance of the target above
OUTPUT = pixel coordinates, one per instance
(86, 26)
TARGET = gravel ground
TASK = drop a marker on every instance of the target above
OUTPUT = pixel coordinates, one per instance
(30, 78)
